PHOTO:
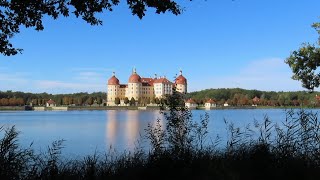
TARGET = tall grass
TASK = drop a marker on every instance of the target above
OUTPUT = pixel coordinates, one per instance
(290, 150)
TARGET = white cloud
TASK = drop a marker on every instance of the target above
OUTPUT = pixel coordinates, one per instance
(67, 87)
(82, 81)
(12, 81)
(268, 74)
(89, 76)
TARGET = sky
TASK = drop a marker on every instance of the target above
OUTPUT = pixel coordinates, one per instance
(216, 43)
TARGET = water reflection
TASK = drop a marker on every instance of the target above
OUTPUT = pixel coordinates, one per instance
(126, 129)
(132, 128)
(122, 129)
(111, 127)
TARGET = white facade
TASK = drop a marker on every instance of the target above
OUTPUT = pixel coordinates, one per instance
(161, 89)
(210, 105)
(50, 103)
(191, 105)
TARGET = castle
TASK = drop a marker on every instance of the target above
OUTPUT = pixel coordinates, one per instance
(143, 89)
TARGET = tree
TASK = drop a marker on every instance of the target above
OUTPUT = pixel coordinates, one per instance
(58, 100)
(140, 101)
(20, 101)
(99, 100)
(156, 100)
(65, 100)
(126, 101)
(90, 101)
(117, 101)
(12, 102)
(34, 101)
(148, 101)
(304, 63)
(30, 14)
(79, 101)
(39, 101)
(152, 100)
(43, 101)
(132, 101)
(4, 102)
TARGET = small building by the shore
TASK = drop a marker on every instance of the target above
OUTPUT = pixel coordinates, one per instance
(51, 103)
(210, 104)
(255, 101)
(191, 104)
(226, 104)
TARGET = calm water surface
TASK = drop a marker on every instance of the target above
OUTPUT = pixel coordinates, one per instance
(85, 132)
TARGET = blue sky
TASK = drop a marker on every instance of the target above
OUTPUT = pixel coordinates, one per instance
(217, 44)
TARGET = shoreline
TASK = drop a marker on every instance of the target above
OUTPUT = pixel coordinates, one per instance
(84, 108)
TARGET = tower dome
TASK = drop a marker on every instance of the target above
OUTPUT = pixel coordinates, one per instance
(181, 79)
(113, 80)
(134, 78)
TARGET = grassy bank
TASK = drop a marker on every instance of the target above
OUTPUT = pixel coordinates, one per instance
(12, 108)
(111, 108)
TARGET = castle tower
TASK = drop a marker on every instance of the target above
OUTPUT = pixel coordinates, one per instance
(113, 89)
(181, 83)
(134, 86)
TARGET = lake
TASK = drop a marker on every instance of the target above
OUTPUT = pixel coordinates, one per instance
(85, 132)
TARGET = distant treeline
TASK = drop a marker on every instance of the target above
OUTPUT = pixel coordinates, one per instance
(241, 97)
(11, 98)
(234, 97)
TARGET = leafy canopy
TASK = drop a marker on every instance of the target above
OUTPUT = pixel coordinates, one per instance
(304, 63)
(30, 13)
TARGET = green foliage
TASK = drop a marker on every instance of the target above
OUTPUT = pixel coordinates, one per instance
(22, 98)
(90, 101)
(152, 100)
(304, 63)
(132, 101)
(156, 100)
(99, 100)
(30, 14)
(181, 135)
(117, 101)
(126, 100)
(243, 97)
(15, 162)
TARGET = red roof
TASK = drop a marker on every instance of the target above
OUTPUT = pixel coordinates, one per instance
(113, 81)
(255, 99)
(211, 101)
(134, 78)
(51, 101)
(181, 80)
(162, 80)
(191, 101)
(147, 81)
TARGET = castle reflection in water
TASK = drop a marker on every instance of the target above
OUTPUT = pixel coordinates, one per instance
(126, 129)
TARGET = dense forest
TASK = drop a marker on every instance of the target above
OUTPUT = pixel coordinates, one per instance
(10, 98)
(234, 97)
(241, 97)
